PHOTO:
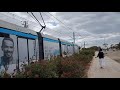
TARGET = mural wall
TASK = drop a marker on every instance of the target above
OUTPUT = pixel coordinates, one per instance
(37, 49)
(70, 49)
(64, 49)
(14, 51)
(76, 49)
(22, 48)
(17, 48)
(32, 49)
(51, 48)
(8, 53)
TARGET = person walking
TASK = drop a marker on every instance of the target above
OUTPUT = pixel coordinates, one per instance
(101, 59)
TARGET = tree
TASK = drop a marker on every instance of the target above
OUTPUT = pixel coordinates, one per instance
(118, 45)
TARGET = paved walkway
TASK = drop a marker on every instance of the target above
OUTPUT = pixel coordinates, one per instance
(111, 70)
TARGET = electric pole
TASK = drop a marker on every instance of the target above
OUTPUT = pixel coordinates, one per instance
(73, 42)
(74, 37)
(104, 42)
(84, 44)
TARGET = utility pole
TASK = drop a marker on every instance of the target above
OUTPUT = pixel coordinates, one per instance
(73, 42)
(74, 37)
(105, 44)
(84, 44)
(104, 40)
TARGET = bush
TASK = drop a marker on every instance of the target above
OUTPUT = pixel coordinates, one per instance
(4, 75)
(74, 66)
(42, 69)
(71, 69)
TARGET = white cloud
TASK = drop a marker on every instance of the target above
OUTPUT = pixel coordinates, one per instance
(92, 26)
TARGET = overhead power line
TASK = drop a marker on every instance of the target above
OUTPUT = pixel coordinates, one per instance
(64, 24)
(42, 19)
(32, 17)
(43, 27)
(36, 19)
(32, 24)
(60, 21)
(22, 17)
(26, 19)
(18, 18)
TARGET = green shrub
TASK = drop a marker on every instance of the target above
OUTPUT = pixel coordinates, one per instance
(70, 69)
(74, 66)
(3, 74)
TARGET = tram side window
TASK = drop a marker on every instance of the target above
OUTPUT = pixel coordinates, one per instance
(4, 35)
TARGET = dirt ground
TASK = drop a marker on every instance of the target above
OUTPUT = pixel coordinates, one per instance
(115, 55)
(110, 70)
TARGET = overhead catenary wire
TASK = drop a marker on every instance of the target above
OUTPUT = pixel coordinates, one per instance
(37, 22)
(36, 19)
(19, 19)
(52, 29)
(32, 17)
(14, 16)
(54, 21)
(43, 27)
(42, 19)
(32, 25)
(63, 24)
(25, 19)
(57, 20)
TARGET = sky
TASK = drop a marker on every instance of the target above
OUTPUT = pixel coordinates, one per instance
(93, 28)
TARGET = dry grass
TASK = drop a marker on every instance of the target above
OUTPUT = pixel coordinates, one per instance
(115, 55)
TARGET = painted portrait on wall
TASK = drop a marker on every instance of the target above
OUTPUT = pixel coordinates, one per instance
(8, 57)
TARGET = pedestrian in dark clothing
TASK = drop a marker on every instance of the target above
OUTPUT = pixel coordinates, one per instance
(101, 58)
